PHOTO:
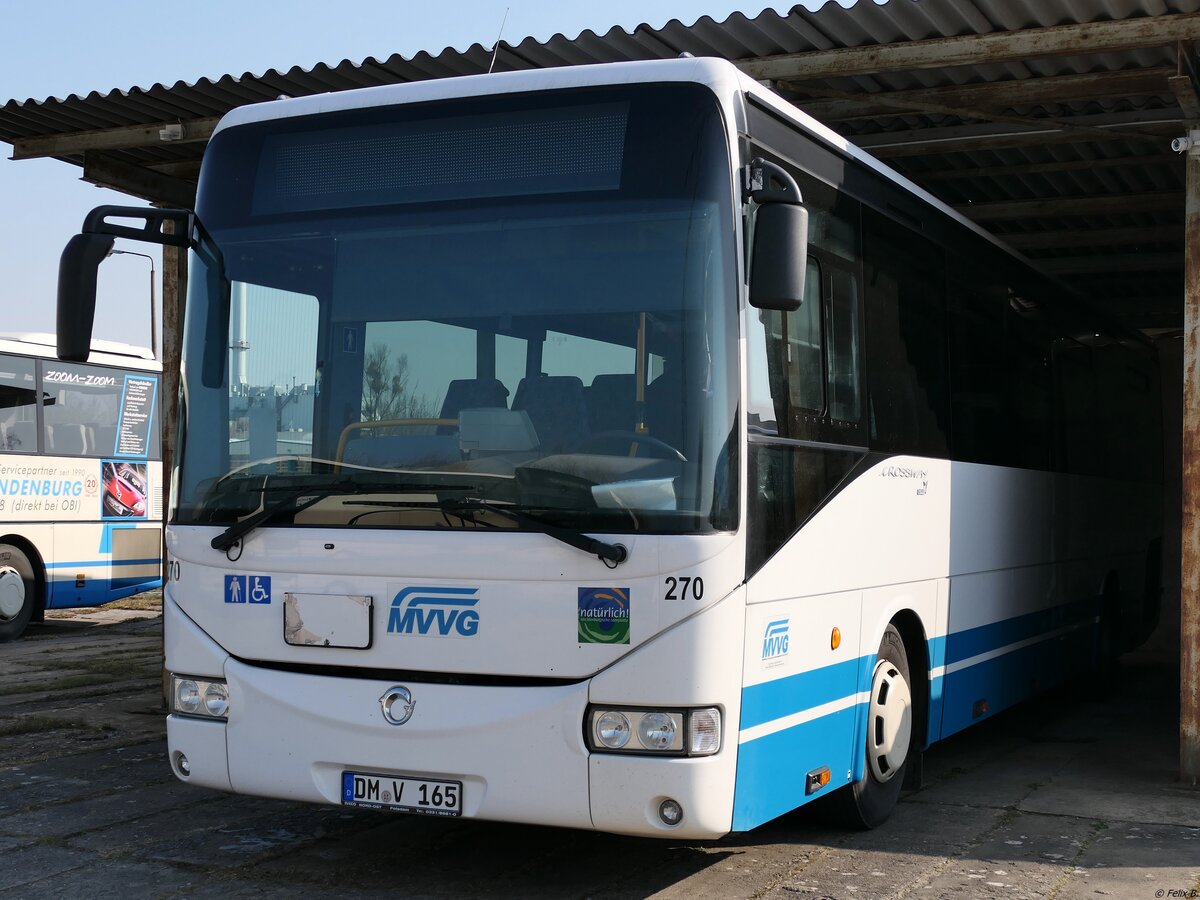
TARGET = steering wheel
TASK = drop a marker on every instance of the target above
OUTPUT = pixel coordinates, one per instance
(608, 438)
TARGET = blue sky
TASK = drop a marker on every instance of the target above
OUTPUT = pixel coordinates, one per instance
(60, 48)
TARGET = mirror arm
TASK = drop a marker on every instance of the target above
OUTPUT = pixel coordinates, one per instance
(765, 182)
(151, 232)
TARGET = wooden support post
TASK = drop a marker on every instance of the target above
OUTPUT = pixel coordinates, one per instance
(174, 295)
(174, 284)
(1189, 612)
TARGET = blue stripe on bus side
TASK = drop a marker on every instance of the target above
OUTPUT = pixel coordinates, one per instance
(94, 563)
(1013, 676)
(63, 594)
(773, 700)
(771, 769)
(971, 642)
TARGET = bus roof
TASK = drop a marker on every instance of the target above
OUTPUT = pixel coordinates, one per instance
(112, 353)
(721, 76)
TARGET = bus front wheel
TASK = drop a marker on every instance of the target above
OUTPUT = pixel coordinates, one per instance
(18, 592)
(869, 801)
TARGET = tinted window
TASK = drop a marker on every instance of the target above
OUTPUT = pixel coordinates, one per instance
(94, 411)
(906, 343)
(979, 371)
(18, 406)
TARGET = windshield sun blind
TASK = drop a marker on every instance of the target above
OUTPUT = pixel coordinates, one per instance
(459, 158)
(613, 142)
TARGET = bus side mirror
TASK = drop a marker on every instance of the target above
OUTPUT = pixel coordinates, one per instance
(779, 260)
(81, 258)
(779, 254)
(77, 269)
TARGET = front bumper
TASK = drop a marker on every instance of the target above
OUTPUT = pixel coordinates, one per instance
(519, 751)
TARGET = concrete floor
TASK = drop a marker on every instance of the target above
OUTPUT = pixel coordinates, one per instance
(1070, 796)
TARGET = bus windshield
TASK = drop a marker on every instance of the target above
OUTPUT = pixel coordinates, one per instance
(397, 293)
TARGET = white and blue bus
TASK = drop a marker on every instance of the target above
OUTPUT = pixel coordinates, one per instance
(666, 462)
(80, 478)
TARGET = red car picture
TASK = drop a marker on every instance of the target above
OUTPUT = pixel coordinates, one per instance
(124, 493)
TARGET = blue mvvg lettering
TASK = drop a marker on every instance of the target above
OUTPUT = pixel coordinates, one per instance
(775, 639)
(435, 611)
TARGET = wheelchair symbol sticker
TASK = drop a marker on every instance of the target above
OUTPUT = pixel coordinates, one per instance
(248, 589)
(260, 588)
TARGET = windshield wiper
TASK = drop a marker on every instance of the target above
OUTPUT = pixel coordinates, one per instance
(607, 553)
(316, 493)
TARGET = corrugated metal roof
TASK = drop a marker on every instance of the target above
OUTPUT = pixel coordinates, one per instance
(976, 162)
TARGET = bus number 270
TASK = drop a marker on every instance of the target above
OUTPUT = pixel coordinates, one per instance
(681, 584)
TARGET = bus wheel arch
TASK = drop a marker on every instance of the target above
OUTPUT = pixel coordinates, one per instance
(895, 731)
(916, 647)
(19, 560)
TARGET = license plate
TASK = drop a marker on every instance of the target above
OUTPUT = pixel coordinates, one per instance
(427, 796)
(327, 620)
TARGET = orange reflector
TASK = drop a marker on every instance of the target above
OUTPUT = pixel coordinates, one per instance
(835, 639)
(816, 780)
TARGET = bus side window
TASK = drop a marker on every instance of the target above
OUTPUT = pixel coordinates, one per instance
(18, 406)
(1028, 351)
(1081, 444)
(906, 341)
(978, 367)
(804, 349)
(842, 342)
(767, 388)
(76, 401)
(804, 365)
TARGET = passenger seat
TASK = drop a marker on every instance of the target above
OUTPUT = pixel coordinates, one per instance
(555, 406)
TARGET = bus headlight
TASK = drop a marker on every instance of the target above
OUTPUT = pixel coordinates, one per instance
(612, 730)
(216, 700)
(657, 731)
(187, 696)
(661, 732)
(199, 697)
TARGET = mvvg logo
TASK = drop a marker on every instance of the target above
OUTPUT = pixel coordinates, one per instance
(775, 639)
(435, 611)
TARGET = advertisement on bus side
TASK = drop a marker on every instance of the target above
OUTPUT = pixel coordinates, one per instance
(41, 489)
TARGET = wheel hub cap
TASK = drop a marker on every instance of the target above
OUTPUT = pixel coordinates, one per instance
(12, 594)
(889, 728)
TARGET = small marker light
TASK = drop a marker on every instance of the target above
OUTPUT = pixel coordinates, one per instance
(816, 780)
(705, 731)
(182, 764)
(835, 639)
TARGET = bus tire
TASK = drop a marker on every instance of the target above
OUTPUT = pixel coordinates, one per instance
(868, 802)
(18, 592)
